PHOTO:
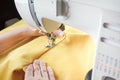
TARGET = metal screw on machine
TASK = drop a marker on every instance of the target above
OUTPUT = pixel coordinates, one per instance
(62, 27)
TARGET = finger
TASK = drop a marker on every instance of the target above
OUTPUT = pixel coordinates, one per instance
(44, 70)
(37, 71)
(37, 32)
(58, 33)
(42, 33)
(50, 73)
(29, 72)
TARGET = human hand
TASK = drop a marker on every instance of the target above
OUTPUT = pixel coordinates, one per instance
(29, 31)
(38, 71)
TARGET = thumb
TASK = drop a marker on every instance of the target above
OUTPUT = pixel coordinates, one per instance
(58, 33)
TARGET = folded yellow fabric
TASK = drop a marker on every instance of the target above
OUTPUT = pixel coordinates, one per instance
(71, 58)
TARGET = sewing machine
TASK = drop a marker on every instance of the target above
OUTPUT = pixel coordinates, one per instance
(91, 16)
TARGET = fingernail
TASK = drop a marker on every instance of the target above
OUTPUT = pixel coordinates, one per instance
(36, 61)
(49, 68)
(42, 33)
(61, 34)
(34, 29)
(42, 63)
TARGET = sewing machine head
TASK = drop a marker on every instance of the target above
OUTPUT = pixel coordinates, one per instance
(39, 15)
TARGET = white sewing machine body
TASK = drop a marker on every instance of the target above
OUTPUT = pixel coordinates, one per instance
(86, 15)
(83, 14)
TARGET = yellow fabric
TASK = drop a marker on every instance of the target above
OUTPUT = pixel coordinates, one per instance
(71, 58)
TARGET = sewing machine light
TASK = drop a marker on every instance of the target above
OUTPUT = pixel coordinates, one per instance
(62, 8)
(57, 11)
